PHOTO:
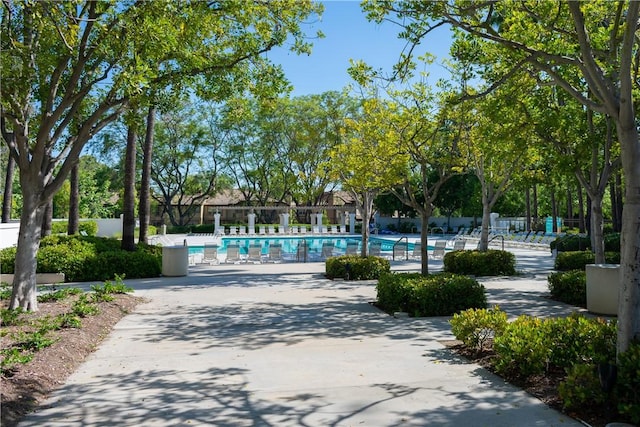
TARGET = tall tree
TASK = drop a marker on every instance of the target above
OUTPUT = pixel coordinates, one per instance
(596, 39)
(83, 62)
(367, 161)
(186, 162)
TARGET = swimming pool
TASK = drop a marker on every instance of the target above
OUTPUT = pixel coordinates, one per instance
(290, 243)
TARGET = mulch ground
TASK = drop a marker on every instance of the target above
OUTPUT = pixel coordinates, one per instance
(27, 385)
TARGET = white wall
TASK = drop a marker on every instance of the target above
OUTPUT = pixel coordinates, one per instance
(9, 234)
(108, 227)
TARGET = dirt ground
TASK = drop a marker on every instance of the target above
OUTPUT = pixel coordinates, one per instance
(27, 385)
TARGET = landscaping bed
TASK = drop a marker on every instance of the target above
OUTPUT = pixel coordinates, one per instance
(25, 386)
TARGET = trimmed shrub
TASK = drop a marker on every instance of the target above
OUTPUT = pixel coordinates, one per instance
(203, 228)
(529, 345)
(441, 294)
(90, 228)
(612, 242)
(488, 263)
(569, 287)
(8, 260)
(359, 268)
(628, 383)
(523, 348)
(86, 258)
(571, 242)
(576, 260)
(475, 326)
(581, 387)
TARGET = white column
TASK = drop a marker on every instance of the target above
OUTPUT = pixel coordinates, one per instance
(216, 222)
(352, 223)
(343, 221)
(285, 221)
(319, 220)
(252, 223)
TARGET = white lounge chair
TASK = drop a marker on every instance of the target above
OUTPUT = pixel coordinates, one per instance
(275, 252)
(254, 253)
(352, 247)
(233, 253)
(327, 250)
(458, 244)
(242, 230)
(271, 230)
(262, 230)
(417, 250)
(375, 248)
(210, 253)
(400, 251)
(439, 249)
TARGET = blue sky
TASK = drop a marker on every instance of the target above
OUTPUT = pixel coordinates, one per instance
(348, 35)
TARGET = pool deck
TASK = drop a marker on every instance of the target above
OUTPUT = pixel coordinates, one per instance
(281, 345)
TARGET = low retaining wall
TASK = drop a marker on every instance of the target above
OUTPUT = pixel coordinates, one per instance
(41, 278)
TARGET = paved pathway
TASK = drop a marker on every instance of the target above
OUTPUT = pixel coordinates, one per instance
(279, 345)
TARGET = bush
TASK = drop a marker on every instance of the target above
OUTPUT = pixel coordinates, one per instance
(523, 348)
(612, 242)
(86, 258)
(475, 326)
(90, 228)
(581, 387)
(576, 260)
(360, 268)
(440, 294)
(488, 263)
(628, 383)
(569, 287)
(203, 228)
(571, 242)
(529, 345)
(8, 260)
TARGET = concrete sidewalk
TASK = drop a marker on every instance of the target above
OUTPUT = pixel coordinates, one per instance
(279, 345)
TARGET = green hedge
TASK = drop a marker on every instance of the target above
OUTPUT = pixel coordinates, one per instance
(488, 263)
(571, 242)
(360, 268)
(441, 294)
(576, 260)
(529, 345)
(569, 286)
(90, 228)
(86, 258)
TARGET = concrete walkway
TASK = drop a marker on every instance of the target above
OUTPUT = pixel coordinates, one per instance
(279, 345)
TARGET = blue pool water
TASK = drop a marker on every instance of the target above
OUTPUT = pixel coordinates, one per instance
(290, 243)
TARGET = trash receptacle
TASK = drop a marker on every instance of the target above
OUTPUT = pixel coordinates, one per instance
(175, 260)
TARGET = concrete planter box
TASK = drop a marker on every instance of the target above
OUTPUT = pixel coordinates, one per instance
(175, 260)
(603, 282)
(41, 278)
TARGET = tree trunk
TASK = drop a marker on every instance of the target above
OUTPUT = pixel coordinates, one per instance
(554, 212)
(74, 200)
(45, 229)
(597, 231)
(128, 202)
(528, 209)
(367, 207)
(534, 224)
(8, 190)
(144, 205)
(629, 295)
(483, 245)
(616, 202)
(581, 225)
(424, 242)
(24, 293)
